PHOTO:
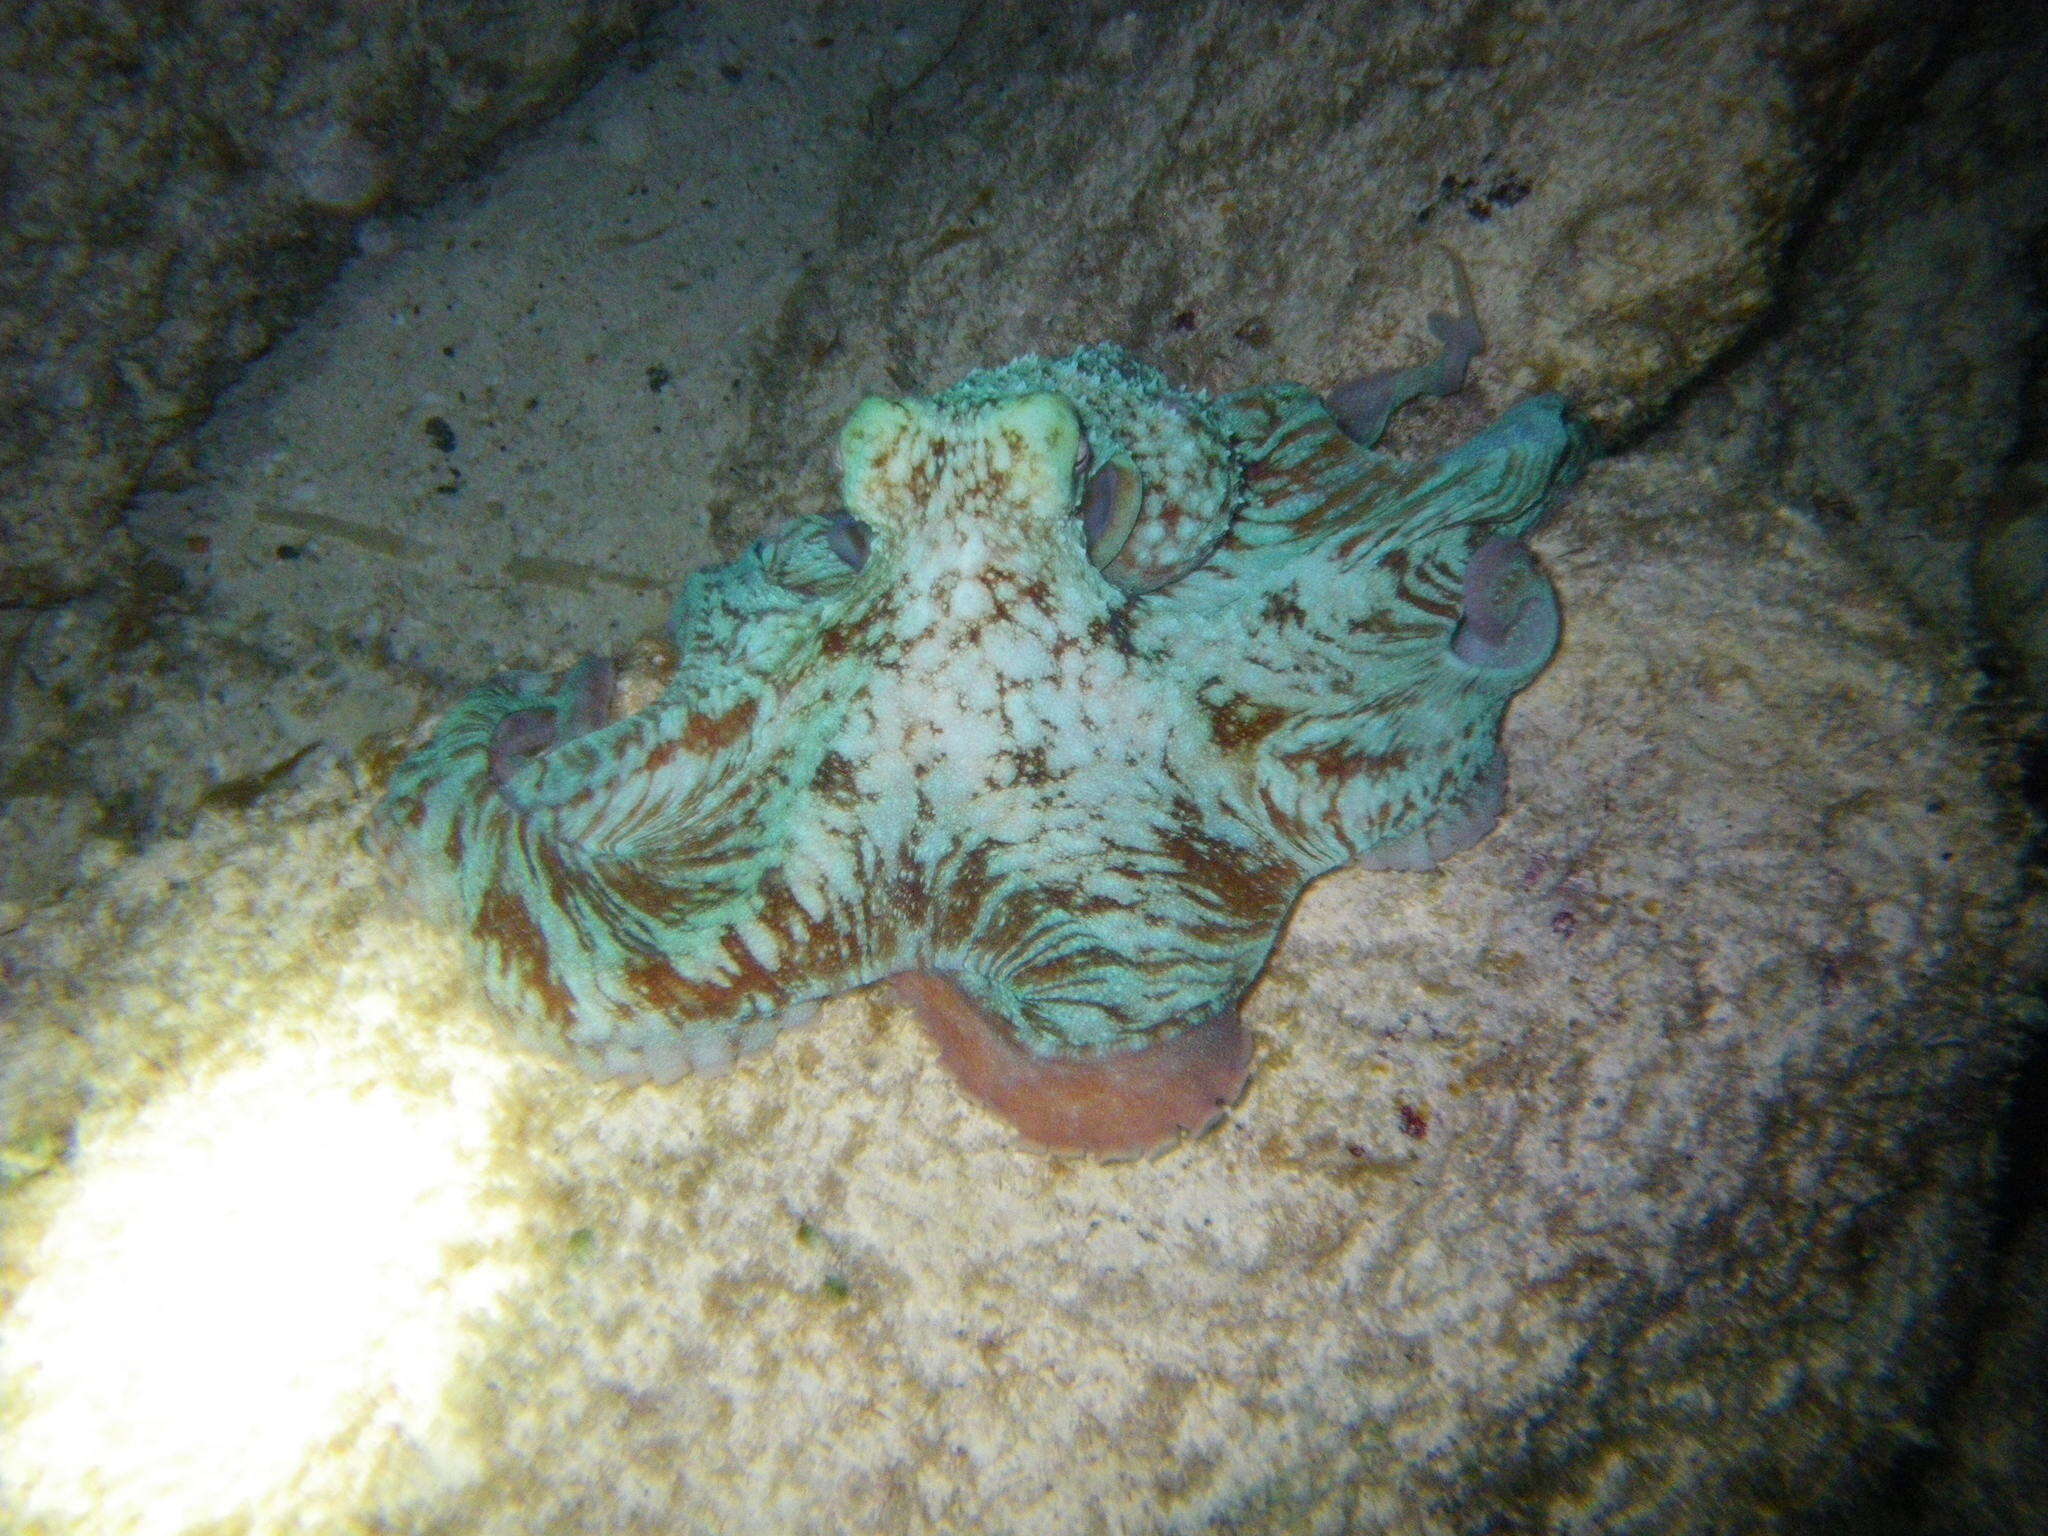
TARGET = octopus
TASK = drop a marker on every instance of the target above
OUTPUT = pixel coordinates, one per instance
(1048, 724)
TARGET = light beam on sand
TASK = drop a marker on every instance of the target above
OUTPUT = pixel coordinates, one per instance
(249, 1295)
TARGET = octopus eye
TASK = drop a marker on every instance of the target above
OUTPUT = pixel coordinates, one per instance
(1110, 498)
(847, 537)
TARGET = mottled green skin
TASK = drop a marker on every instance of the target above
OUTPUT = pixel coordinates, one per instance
(1090, 796)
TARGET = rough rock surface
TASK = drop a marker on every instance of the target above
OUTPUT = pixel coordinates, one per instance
(1899, 391)
(1994, 1479)
(2009, 566)
(1892, 391)
(1261, 192)
(1615, 1176)
(179, 180)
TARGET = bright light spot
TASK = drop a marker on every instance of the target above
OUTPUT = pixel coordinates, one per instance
(250, 1295)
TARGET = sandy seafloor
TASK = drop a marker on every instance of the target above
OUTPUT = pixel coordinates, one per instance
(490, 443)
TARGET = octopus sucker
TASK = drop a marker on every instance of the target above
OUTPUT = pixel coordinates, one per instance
(1050, 720)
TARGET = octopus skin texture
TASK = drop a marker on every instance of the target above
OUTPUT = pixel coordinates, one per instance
(1050, 724)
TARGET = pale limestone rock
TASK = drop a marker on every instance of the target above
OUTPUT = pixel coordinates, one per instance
(1621, 1168)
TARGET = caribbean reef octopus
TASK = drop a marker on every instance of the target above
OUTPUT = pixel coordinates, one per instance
(1051, 723)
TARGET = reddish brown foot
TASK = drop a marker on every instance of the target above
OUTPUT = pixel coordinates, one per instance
(1113, 1106)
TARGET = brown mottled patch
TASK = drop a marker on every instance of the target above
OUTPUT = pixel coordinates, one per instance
(563, 883)
(656, 983)
(1020, 450)
(632, 887)
(704, 736)
(754, 975)
(504, 923)
(1449, 609)
(834, 779)
(1113, 629)
(817, 950)
(857, 634)
(1281, 610)
(1001, 928)
(1076, 968)
(1032, 766)
(1239, 725)
(910, 898)
(709, 734)
(1285, 822)
(1309, 462)
(1334, 762)
(1383, 624)
(966, 887)
(1256, 890)
(1000, 610)
(1037, 592)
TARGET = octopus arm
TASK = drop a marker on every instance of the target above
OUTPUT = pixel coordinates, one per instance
(1363, 407)
(1368, 621)
(1095, 1008)
(605, 880)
